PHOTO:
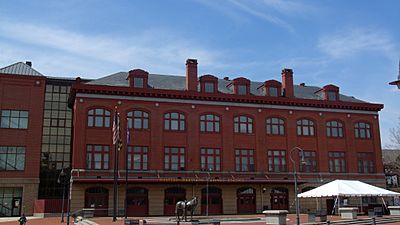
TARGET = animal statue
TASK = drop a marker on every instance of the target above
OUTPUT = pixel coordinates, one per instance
(182, 208)
(190, 207)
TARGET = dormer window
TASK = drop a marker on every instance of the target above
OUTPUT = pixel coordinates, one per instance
(208, 83)
(138, 78)
(241, 86)
(331, 96)
(138, 82)
(241, 90)
(273, 91)
(209, 87)
(329, 92)
(271, 88)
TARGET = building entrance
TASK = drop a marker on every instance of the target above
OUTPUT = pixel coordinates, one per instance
(137, 202)
(172, 196)
(214, 201)
(246, 201)
(97, 198)
(279, 199)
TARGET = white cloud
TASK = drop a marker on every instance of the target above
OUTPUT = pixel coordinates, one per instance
(352, 41)
(288, 7)
(165, 51)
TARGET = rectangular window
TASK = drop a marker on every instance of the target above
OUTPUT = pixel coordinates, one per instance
(244, 160)
(209, 87)
(14, 119)
(174, 158)
(366, 162)
(8, 198)
(242, 90)
(210, 159)
(12, 158)
(138, 82)
(337, 162)
(97, 157)
(332, 96)
(138, 157)
(273, 91)
(310, 160)
(277, 161)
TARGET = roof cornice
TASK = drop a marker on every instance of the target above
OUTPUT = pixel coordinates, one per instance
(177, 94)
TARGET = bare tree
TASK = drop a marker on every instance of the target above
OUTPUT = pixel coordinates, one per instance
(395, 135)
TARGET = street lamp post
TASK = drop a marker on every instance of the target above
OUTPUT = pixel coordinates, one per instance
(61, 180)
(208, 178)
(295, 180)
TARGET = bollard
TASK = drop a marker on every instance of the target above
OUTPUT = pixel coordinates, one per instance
(374, 220)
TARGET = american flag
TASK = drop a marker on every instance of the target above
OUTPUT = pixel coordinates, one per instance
(117, 131)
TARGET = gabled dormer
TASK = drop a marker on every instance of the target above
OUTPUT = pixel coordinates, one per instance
(329, 92)
(240, 85)
(208, 84)
(138, 78)
(272, 88)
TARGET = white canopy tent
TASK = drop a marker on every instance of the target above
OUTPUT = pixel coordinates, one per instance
(347, 188)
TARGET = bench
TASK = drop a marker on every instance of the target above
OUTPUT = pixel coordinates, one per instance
(214, 222)
(132, 222)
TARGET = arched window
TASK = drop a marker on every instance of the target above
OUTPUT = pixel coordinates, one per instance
(99, 118)
(138, 119)
(209, 123)
(305, 127)
(334, 129)
(174, 121)
(362, 130)
(243, 124)
(275, 126)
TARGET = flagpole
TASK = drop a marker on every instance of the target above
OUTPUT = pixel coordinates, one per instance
(126, 171)
(116, 141)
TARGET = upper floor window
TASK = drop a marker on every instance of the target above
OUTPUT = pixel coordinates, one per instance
(14, 119)
(12, 158)
(332, 95)
(138, 119)
(174, 158)
(174, 121)
(305, 127)
(337, 162)
(243, 124)
(210, 159)
(209, 87)
(241, 89)
(366, 162)
(138, 82)
(97, 157)
(311, 162)
(99, 118)
(275, 126)
(209, 123)
(244, 160)
(362, 130)
(277, 161)
(273, 91)
(334, 129)
(138, 157)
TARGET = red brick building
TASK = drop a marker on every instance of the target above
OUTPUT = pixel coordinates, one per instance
(234, 136)
(21, 112)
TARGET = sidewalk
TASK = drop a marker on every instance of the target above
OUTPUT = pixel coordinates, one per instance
(257, 219)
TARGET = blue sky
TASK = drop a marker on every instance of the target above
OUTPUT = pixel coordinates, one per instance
(352, 44)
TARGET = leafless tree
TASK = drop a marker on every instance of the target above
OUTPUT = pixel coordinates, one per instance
(395, 136)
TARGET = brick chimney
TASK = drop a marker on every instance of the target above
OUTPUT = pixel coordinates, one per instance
(191, 74)
(287, 83)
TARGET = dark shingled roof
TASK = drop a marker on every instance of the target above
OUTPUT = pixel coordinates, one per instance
(20, 68)
(175, 82)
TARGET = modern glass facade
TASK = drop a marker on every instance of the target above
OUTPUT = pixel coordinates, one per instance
(56, 138)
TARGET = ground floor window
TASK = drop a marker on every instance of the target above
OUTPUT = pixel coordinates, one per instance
(10, 201)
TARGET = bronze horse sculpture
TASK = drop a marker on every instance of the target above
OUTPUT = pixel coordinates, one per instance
(183, 207)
